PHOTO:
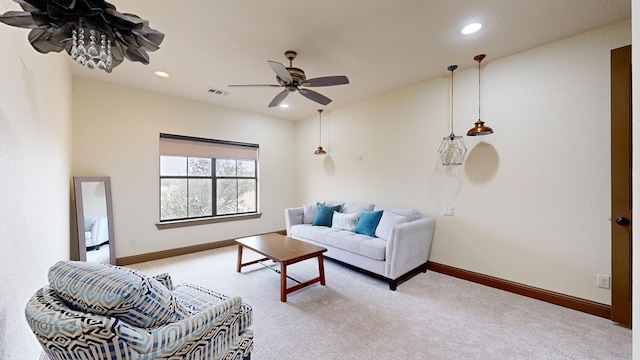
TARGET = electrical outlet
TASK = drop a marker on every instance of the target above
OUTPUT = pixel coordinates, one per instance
(448, 211)
(359, 158)
(604, 281)
(133, 242)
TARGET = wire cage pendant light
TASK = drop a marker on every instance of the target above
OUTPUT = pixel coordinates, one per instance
(320, 150)
(452, 149)
(479, 128)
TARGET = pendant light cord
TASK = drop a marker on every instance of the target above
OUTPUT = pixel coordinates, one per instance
(452, 68)
(320, 131)
(320, 128)
(479, 89)
(452, 101)
(479, 59)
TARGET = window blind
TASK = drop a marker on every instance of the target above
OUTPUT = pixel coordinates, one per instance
(179, 145)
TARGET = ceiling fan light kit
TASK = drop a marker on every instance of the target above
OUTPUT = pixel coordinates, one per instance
(294, 79)
(92, 32)
(479, 128)
(452, 149)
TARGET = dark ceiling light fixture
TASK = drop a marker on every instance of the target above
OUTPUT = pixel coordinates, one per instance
(294, 79)
(479, 127)
(92, 32)
(452, 149)
(320, 150)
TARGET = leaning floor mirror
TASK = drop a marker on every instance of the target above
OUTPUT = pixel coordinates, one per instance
(94, 219)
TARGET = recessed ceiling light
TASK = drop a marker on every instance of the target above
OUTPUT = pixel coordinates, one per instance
(471, 28)
(161, 74)
(284, 105)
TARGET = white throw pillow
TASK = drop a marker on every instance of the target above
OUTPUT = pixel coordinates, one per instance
(387, 222)
(345, 221)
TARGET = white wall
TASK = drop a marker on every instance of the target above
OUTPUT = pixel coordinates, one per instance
(35, 153)
(532, 202)
(116, 132)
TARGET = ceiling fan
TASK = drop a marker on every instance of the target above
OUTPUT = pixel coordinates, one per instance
(294, 79)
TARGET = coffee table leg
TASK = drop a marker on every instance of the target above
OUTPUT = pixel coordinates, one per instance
(321, 268)
(283, 282)
(239, 258)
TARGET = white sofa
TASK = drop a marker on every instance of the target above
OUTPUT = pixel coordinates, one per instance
(398, 249)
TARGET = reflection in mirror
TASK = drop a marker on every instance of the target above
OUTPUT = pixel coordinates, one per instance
(94, 219)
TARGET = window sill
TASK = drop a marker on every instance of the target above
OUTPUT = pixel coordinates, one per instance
(212, 220)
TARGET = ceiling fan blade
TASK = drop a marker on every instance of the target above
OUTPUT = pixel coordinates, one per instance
(326, 81)
(315, 96)
(279, 98)
(281, 71)
(256, 85)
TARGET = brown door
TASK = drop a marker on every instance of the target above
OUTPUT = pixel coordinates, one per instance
(621, 186)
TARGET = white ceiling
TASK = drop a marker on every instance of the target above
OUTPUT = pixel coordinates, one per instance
(381, 45)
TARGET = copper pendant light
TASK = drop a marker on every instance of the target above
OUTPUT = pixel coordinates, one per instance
(479, 127)
(320, 150)
(452, 149)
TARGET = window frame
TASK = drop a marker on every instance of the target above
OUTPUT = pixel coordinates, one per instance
(213, 218)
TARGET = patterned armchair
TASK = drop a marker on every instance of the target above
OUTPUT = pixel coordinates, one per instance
(99, 311)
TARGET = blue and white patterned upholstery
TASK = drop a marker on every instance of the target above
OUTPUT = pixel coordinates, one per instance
(210, 325)
(164, 279)
(124, 293)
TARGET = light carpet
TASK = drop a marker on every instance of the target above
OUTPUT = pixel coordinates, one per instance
(430, 316)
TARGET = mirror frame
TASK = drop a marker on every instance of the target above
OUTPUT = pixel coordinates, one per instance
(82, 243)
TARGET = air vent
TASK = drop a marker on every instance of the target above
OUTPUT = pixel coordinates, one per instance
(218, 92)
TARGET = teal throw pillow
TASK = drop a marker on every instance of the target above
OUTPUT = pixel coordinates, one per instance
(368, 222)
(324, 215)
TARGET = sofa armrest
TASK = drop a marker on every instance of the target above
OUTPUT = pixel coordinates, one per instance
(167, 339)
(408, 246)
(293, 216)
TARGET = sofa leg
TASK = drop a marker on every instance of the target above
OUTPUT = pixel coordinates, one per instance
(393, 284)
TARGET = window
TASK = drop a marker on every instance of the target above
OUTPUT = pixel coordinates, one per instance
(206, 178)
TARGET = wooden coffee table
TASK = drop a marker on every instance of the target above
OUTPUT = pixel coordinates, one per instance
(286, 251)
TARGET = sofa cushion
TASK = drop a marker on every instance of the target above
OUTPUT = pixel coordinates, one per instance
(387, 222)
(333, 203)
(350, 208)
(324, 215)
(412, 214)
(108, 290)
(309, 213)
(345, 221)
(364, 245)
(368, 222)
